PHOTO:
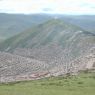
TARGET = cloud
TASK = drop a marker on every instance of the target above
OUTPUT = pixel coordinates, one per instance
(47, 10)
(49, 6)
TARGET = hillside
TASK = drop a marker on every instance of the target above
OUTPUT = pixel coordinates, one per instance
(59, 46)
(15, 68)
(53, 32)
(12, 24)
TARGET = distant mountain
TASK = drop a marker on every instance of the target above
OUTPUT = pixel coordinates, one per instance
(86, 22)
(12, 24)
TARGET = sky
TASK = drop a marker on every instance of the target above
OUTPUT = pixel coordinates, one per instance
(48, 6)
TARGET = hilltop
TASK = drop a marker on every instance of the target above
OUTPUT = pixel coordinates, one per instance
(12, 24)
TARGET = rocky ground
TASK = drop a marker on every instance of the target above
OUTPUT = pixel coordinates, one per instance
(15, 67)
(25, 64)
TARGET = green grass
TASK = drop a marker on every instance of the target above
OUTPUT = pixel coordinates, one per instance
(84, 84)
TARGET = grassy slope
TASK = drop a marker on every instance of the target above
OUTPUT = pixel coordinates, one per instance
(44, 33)
(69, 36)
(83, 84)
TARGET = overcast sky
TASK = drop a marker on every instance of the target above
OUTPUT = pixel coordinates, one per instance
(48, 6)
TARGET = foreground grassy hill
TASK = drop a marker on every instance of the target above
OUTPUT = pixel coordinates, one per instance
(74, 85)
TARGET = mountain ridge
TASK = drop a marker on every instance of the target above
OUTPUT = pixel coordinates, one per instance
(52, 38)
(54, 25)
(59, 46)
